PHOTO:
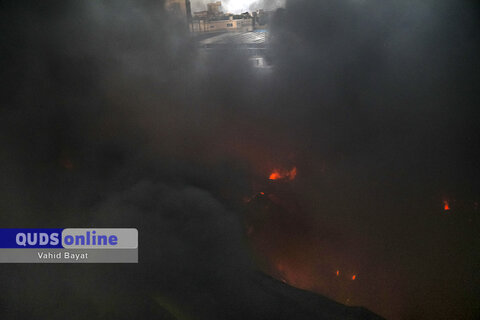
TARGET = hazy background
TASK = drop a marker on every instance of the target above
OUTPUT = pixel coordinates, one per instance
(239, 6)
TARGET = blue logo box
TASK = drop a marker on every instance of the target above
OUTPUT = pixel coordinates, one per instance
(19, 238)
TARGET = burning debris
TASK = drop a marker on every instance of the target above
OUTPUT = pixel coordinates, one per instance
(283, 174)
(446, 205)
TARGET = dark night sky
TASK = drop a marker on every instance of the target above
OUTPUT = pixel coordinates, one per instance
(110, 117)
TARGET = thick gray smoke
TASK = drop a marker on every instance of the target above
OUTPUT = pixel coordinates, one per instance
(112, 117)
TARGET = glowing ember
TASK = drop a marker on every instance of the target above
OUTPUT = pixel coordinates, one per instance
(446, 207)
(354, 277)
(66, 163)
(283, 174)
(338, 273)
(248, 199)
(275, 175)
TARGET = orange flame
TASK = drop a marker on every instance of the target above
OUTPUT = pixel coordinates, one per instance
(338, 273)
(275, 175)
(446, 207)
(283, 174)
(354, 277)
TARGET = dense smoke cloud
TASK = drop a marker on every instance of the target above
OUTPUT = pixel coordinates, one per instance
(112, 117)
(94, 114)
(385, 93)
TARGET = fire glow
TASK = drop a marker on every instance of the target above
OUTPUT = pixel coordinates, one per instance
(283, 174)
(66, 163)
(446, 206)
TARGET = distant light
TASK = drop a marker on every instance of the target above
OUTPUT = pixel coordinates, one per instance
(354, 277)
(238, 6)
(338, 273)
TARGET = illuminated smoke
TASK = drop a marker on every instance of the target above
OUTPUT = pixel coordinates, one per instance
(283, 174)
